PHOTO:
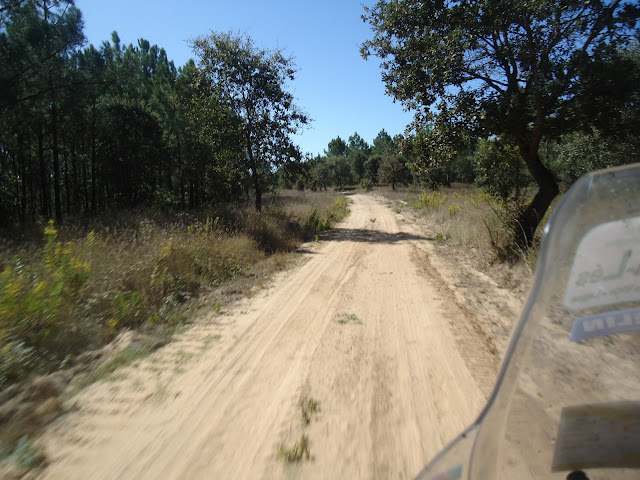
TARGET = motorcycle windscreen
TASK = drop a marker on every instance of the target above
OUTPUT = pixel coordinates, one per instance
(567, 399)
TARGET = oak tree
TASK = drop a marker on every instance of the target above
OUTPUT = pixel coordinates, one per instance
(253, 83)
(520, 70)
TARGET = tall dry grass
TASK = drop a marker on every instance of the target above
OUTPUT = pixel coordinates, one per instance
(464, 216)
(78, 285)
(461, 214)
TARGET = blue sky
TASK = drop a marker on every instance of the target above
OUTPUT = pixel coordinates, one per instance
(339, 90)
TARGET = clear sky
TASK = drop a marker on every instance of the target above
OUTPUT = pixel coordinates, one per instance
(339, 90)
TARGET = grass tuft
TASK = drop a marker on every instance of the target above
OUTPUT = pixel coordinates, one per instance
(297, 452)
(345, 318)
(308, 408)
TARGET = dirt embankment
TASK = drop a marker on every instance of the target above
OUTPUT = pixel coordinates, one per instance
(396, 345)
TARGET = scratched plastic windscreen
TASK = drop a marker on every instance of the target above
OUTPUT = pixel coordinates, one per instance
(568, 405)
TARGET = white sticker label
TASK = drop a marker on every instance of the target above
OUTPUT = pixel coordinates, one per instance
(606, 268)
(603, 435)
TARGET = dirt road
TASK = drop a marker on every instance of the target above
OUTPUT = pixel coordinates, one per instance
(364, 326)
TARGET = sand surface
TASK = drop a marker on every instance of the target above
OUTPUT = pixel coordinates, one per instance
(369, 325)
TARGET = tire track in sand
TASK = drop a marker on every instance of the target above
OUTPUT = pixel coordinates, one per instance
(393, 387)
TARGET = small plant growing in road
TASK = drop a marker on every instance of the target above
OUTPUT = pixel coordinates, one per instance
(308, 408)
(296, 453)
(372, 220)
(344, 318)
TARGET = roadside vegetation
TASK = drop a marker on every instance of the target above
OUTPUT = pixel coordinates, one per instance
(133, 190)
(73, 290)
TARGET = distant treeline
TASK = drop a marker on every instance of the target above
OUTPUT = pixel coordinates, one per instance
(491, 164)
(90, 129)
(87, 129)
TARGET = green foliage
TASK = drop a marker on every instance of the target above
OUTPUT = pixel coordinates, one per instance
(345, 318)
(382, 143)
(127, 310)
(296, 453)
(499, 169)
(579, 153)
(336, 148)
(433, 151)
(463, 167)
(315, 223)
(454, 209)
(366, 184)
(433, 199)
(253, 83)
(358, 150)
(341, 174)
(32, 301)
(371, 167)
(393, 170)
(522, 71)
(320, 173)
(26, 454)
(308, 408)
(58, 300)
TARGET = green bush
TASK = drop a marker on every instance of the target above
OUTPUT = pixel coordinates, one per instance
(33, 300)
(433, 199)
(366, 184)
(500, 170)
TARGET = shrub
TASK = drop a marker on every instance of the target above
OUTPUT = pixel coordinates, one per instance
(433, 199)
(500, 170)
(33, 303)
(366, 184)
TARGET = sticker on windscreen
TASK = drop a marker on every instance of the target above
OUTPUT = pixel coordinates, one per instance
(602, 324)
(606, 268)
(605, 435)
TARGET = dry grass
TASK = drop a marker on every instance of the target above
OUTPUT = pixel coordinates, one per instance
(461, 214)
(472, 223)
(72, 290)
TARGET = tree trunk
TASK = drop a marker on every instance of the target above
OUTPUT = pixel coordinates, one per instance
(93, 156)
(56, 163)
(548, 189)
(44, 173)
(255, 177)
(23, 181)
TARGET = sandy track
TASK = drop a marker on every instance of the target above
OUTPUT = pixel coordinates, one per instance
(364, 325)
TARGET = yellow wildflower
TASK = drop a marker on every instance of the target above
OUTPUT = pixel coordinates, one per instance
(40, 287)
(50, 229)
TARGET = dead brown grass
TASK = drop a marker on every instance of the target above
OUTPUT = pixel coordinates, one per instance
(470, 222)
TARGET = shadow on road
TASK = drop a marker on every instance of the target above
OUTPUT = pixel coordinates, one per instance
(371, 236)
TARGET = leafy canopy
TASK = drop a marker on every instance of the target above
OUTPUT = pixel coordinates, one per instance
(253, 82)
(499, 66)
(522, 70)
